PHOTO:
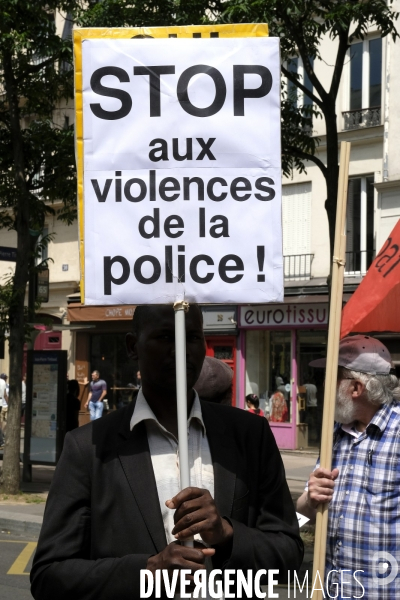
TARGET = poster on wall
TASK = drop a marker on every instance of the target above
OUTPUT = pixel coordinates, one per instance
(179, 167)
(45, 412)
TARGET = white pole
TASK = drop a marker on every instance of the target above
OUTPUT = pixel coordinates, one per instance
(180, 309)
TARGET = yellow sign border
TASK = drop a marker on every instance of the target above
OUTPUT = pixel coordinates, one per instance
(90, 33)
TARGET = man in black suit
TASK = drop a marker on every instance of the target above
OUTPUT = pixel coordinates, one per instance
(109, 512)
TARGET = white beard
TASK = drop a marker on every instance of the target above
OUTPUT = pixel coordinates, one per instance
(345, 409)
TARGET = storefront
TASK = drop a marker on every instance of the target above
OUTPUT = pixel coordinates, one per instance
(221, 333)
(100, 344)
(277, 342)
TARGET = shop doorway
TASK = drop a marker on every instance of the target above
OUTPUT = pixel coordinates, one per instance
(312, 345)
(108, 355)
(223, 347)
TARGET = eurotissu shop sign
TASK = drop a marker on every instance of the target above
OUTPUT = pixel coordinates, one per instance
(283, 315)
(179, 168)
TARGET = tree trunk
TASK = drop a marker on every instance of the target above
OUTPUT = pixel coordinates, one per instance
(11, 458)
(332, 177)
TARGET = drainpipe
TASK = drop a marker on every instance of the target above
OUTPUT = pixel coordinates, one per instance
(386, 113)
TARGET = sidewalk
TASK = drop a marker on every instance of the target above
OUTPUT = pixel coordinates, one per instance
(26, 518)
(298, 466)
(19, 518)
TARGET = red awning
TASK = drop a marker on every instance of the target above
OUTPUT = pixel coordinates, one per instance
(375, 305)
(85, 314)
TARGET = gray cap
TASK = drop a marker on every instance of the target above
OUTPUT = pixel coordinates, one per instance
(361, 353)
(215, 378)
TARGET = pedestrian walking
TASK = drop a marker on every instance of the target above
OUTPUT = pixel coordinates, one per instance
(98, 391)
(73, 405)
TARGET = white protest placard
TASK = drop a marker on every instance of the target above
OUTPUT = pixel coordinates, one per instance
(181, 170)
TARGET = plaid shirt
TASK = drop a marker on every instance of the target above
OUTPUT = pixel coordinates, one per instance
(364, 516)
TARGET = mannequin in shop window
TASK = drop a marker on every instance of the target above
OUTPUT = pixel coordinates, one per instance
(278, 405)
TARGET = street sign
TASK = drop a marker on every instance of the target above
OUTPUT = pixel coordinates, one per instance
(8, 254)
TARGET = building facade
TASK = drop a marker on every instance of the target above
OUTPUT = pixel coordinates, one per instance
(270, 346)
(275, 347)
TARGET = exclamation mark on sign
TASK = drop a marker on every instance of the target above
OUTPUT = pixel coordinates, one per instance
(260, 259)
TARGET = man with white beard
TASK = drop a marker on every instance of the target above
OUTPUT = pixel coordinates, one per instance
(363, 543)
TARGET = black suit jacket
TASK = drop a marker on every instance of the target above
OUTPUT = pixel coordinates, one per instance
(103, 521)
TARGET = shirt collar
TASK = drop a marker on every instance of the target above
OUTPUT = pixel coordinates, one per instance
(382, 416)
(143, 412)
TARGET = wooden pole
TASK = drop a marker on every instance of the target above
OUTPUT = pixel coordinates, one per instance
(338, 265)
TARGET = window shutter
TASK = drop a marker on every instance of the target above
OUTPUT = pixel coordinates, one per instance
(296, 225)
(296, 215)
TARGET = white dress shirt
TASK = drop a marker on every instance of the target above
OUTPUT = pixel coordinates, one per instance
(164, 454)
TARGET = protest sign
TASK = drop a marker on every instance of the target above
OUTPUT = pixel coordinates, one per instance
(179, 168)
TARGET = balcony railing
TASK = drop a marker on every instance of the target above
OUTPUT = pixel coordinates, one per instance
(297, 267)
(359, 119)
(357, 263)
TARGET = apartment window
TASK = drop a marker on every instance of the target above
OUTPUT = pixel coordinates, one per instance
(360, 225)
(43, 253)
(67, 35)
(299, 98)
(365, 74)
(307, 84)
(293, 94)
(365, 60)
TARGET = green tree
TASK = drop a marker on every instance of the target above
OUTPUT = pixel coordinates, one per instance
(125, 13)
(37, 168)
(301, 25)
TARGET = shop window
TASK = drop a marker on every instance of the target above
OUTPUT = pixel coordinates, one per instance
(268, 360)
(223, 352)
(257, 368)
(279, 406)
(108, 355)
(311, 345)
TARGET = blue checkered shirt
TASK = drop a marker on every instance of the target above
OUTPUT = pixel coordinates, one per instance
(364, 515)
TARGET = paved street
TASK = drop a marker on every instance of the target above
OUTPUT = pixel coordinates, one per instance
(16, 559)
(15, 562)
(20, 524)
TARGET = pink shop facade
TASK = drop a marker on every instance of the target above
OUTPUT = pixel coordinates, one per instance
(275, 345)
